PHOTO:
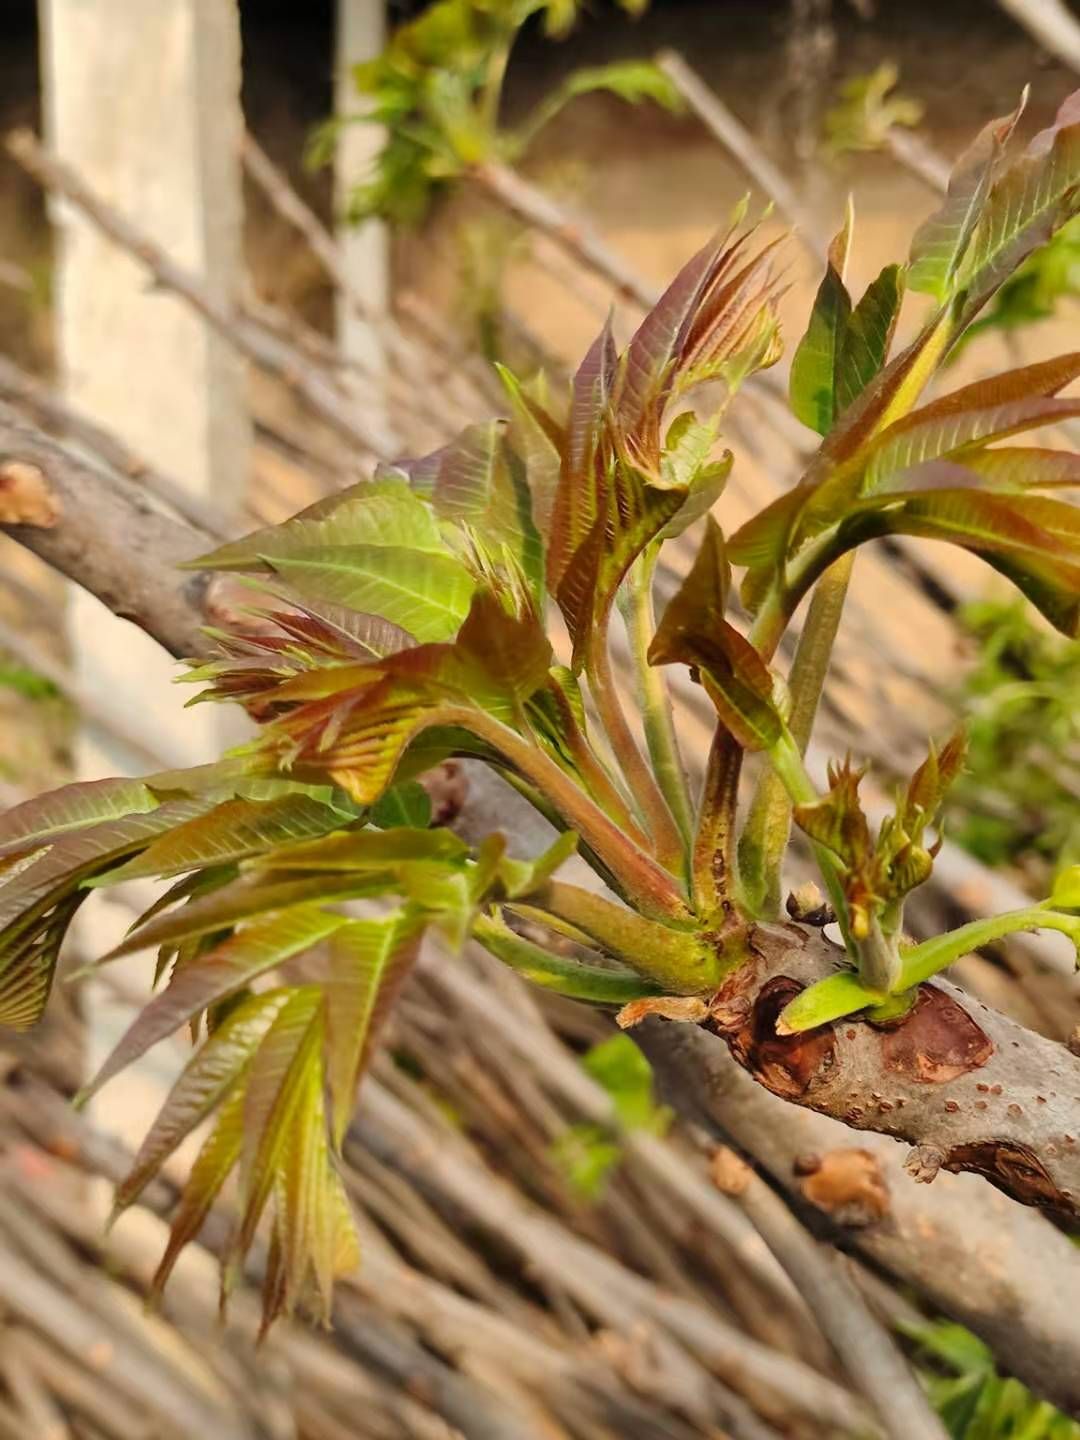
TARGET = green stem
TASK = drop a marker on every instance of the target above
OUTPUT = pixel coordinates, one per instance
(637, 605)
(638, 874)
(676, 959)
(846, 993)
(922, 961)
(495, 74)
(599, 782)
(566, 977)
(663, 831)
(768, 825)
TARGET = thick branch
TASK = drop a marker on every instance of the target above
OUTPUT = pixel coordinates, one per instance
(999, 1268)
(969, 1088)
(110, 539)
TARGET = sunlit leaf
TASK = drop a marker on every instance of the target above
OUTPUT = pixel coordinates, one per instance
(940, 243)
(222, 971)
(213, 1165)
(231, 831)
(427, 595)
(72, 807)
(867, 337)
(694, 632)
(203, 1084)
(405, 804)
(367, 962)
(815, 366)
(382, 512)
(1031, 200)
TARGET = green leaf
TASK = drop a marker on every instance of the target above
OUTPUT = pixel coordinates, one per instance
(631, 80)
(39, 896)
(539, 439)
(213, 1165)
(579, 500)
(234, 830)
(522, 877)
(831, 999)
(481, 487)
(979, 413)
(382, 512)
(1038, 549)
(693, 631)
(1032, 200)
(619, 1066)
(941, 242)
(72, 807)
(426, 594)
(254, 894)
(367, 962)
(220, 972)
(283, 1066)
(203, 1084)
(1065, 894)
(864, 347)
(359, 850)
(405, 804)
(1019, 468)
(815, 366)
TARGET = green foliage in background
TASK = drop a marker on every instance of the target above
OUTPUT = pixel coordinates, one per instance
(437, 90)
(1019, 799)
(1038, 287)
(867, 108)
(589, 1154)
(25, 682)
(974, 1401)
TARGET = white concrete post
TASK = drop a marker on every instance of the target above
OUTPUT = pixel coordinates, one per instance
(143, 100)
(361, 35)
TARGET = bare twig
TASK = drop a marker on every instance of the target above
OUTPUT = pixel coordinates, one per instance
(916, 155)
(866, 1350)
(46, 407)
(1052, 24)
(408, 356)
(575, 236)
(267, 350)
(720, 122)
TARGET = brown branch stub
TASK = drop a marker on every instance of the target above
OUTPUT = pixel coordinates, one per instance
(112, 540)
(26, 497)
(848, 1184)
(730, 1173)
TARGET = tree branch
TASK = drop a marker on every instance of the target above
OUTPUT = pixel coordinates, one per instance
(1052, 24)
(111, 539)
(866, 1350)
(969, 1088)
(968, 1250)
